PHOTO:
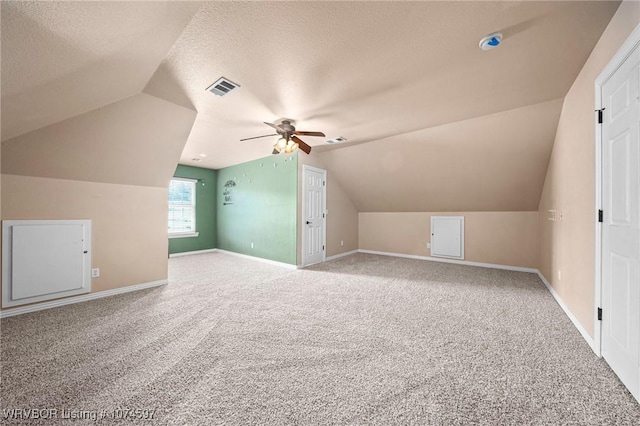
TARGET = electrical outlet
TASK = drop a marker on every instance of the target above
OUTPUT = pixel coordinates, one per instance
(559, 275)
(428, 245)
(341, 243)
(95, 272)
(251, 245)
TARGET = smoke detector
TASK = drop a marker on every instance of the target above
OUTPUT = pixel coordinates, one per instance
(490, 41)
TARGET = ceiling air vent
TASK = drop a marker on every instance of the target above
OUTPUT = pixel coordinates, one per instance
(222, 86)
(336, 140)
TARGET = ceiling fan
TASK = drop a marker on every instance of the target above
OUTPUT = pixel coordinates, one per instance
(288, 141)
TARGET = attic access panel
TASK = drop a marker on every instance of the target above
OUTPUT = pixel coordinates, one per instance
(447, 236)
(43, 260)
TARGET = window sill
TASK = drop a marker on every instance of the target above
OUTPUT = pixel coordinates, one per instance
(183, 235)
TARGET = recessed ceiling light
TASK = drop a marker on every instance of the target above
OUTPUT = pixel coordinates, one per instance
(202, 155)
(490, 41)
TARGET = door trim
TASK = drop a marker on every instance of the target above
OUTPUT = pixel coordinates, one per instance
(305, 168)
(616, 61)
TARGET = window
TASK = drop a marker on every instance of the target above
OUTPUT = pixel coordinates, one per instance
(182, 208)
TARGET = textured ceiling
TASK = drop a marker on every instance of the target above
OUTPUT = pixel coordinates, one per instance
(492, 163)
(432, 122)
(367, 70)
(135, 141)
(62, 59)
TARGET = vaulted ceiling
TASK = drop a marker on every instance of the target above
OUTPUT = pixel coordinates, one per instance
(63, 59)
(496, 162)
(404, 82)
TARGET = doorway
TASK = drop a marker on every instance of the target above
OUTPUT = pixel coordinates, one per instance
(314, 199)
(618, 240)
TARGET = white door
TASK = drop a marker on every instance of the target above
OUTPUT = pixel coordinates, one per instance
(313, 215)
(620, 227)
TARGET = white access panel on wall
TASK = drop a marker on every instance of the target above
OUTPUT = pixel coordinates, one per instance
(43, 260)
(447, 236)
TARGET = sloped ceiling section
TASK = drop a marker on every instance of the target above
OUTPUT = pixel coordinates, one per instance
(62, 59)
(432, 122)
(135, 141)
(492, 163)
(368, 70)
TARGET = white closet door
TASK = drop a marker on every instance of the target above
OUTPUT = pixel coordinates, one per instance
(621, 222)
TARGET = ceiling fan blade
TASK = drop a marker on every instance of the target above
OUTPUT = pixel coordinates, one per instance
(301, 144)
(256, 137)
(308, 133)
(273, 125)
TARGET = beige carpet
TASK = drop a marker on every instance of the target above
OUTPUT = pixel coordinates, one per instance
(362, 340)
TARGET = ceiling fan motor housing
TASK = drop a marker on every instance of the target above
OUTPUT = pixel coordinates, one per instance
(285, 128)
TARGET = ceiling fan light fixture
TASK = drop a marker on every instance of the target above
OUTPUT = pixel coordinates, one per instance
(281, 143)
(291, 148)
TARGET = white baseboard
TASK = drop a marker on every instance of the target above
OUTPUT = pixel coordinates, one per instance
(9, 312)
(568, 312)
(259, 259)
(189, 253)
(456, 261)
(338, 256)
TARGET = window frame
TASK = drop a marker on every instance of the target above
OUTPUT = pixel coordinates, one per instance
(184, 234)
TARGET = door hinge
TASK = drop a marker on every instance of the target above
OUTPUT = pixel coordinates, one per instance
(322, 248)
(599, 314)
(323, 215)
(600, 216)
(600, 118)
(324, 183)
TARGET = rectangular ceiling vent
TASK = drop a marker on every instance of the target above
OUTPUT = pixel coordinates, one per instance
(222, 86)
(336, 140)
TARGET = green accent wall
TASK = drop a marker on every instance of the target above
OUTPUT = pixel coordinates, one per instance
(257, 203)
(205, 211)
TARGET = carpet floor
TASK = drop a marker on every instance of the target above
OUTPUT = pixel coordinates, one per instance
(363, 339)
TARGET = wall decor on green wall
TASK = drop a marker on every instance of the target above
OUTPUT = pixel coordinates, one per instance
(206, 191)
(257, 208)
(228, 192)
